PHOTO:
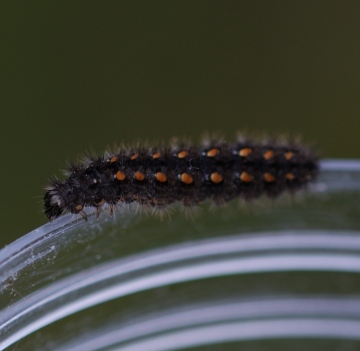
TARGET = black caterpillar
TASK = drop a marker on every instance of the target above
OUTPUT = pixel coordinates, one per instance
(158, 176)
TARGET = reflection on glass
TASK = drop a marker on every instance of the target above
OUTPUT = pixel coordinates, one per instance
(286, 271)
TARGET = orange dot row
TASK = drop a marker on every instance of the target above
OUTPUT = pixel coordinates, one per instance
(244, 152)
(268, 177)
(215, 177)
(134, 157)
(139, 176)
(267, 154)
(162, 178)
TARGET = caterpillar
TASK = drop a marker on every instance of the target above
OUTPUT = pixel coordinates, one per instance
(186, 173)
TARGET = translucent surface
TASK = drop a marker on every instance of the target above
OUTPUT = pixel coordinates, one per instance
(285, 271)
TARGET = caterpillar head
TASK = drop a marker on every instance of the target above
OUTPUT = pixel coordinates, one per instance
(53, 204)
(60, 198)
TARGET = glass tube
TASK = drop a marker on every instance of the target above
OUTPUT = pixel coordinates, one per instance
(280, 272)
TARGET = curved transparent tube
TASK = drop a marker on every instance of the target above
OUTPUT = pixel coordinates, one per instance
(264, 271)
(228, 321)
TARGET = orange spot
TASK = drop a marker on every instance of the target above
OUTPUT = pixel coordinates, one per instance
(246, 177)
(139, 176)
(246, 151)
(269, 154)
(113, 159)
(216, 177)
(120, 175)
(134, 157)
(101, 202)
(183, 154)
(186, 178)
(79, 207)
(161, 177)
(156, 155)
(289, 176)
(289, 155)
(269, 178)
(213, 152)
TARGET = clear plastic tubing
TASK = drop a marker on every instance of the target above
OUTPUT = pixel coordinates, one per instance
(290, 274)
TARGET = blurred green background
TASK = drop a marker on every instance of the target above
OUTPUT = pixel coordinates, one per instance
(82, 75)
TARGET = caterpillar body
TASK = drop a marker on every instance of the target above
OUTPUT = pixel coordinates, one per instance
(158, 176)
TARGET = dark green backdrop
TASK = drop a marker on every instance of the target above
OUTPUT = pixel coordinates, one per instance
(81, 75)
